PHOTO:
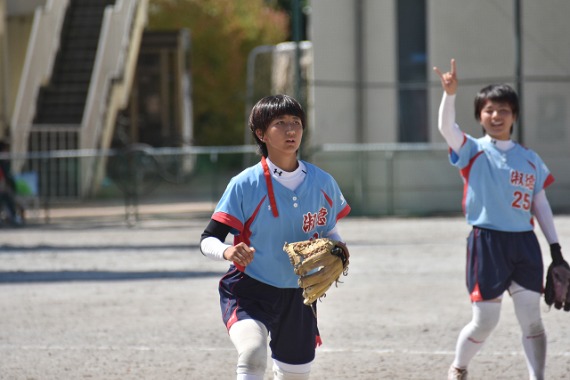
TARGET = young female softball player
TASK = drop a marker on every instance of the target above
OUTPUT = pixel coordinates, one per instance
(281, 199)
(504, 187)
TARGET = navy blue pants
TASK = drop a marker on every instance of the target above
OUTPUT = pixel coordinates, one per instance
(496, 258)
(291, 324)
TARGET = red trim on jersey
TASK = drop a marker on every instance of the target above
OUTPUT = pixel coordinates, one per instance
(464, 139)
(549, 180)
(344, 212)
(245, 235)
(465, 174)
(329, 200)
(228, 220)
(269, 184)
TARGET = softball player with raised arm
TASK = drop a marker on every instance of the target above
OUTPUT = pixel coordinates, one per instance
(504, 188)
(281, 199)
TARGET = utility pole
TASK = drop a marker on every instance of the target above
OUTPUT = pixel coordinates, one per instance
(519, 68)
(296, 16)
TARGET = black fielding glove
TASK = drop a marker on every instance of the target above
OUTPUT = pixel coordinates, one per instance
(557, 289)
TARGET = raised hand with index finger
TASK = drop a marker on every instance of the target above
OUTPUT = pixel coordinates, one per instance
(448, 79)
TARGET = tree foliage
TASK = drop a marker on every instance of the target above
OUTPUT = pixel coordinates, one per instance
(223, 33)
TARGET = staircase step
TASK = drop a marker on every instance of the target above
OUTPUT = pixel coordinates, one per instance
(87, 55)
(81, 43)
(62, 107)
(62, 98)
(72, 77)
(76, 66)
(83, 21)
(77, 89)
(59, 118)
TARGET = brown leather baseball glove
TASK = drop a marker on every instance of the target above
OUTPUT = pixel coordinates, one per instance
(319, 263)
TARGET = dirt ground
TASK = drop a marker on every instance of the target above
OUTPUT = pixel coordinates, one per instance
(86, 300)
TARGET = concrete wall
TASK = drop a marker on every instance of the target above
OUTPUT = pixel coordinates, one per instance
(336, 67)
(18, 30)
(16, 18)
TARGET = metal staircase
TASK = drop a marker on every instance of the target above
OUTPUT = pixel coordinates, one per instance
(63, 100)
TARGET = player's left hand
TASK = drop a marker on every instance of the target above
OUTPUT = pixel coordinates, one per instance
(557, 289)
(319, 263)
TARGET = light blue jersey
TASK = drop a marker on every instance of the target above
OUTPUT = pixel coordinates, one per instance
(499, 186)
(265, 215)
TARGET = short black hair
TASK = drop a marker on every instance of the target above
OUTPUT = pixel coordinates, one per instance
(269, 108)
(500, 93)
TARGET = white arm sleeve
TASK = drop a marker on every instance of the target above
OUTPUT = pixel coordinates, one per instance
(213, 248)
(446, 123)
(543, 213)
(334, 235)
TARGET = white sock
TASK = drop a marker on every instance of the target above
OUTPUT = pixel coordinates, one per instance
(284, 371)
(243, 376)
(250, 339)
(485, 318)
(527, 310)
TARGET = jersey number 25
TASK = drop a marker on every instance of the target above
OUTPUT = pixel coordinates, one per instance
(522, 200)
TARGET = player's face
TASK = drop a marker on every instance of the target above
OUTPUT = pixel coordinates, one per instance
(283, 135)
(497, 120)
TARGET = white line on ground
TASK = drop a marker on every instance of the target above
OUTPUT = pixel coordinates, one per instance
(214, 349)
